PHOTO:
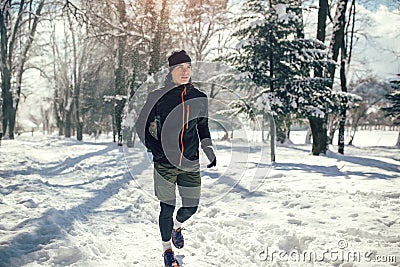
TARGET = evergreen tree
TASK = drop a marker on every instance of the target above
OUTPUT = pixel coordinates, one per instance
(278, 58)
(394, 110)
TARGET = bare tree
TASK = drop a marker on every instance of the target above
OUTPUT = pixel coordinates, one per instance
(80, 49)
(158, 42)
(108, 23)
(203, 21)
(373, 94)
(18, 24)
(135, 34)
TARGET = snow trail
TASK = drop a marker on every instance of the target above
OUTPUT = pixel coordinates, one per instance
(69, 203)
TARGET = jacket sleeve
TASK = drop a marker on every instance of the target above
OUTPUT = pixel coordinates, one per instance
(204, 131)
(146, 115)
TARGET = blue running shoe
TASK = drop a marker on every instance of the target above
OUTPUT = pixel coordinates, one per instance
(177, 238)
(169, 259)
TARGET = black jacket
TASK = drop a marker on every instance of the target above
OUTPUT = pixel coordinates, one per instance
(181, 116)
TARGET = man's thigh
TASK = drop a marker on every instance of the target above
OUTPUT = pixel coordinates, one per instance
(189, 184)
(165, 178)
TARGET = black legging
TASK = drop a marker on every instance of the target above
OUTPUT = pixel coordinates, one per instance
(166, 222)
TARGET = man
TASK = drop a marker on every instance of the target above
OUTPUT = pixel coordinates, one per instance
(172, 124)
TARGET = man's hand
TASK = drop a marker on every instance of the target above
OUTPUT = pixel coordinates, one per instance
(213, 163)
(209, 151)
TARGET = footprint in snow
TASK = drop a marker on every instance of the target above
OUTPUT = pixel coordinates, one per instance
(28, 203)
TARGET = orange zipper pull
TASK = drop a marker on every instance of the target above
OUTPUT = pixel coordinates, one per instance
(187, 116)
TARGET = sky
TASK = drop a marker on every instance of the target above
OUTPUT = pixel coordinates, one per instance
(384, 38)
(377, 36)
(374, 5)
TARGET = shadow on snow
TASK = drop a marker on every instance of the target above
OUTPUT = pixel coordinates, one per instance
(54, 223)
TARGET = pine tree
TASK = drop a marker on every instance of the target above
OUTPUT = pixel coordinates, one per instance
(394, 110)
(276, 56)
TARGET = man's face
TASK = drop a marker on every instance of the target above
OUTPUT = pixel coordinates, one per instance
(181, 73)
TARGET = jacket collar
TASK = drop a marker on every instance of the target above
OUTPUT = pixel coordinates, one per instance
(181, 87)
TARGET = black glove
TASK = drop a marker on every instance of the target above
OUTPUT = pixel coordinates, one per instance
(209, 151)
(213, 163)
(206, 145)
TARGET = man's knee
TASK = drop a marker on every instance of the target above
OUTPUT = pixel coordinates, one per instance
(167, 210)
(185, 213)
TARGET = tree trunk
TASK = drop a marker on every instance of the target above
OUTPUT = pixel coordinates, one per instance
(67, 114)
(114, 130)
(7, 103)
(338, 35)
(120, 74)
(319, 125)
(77, 78)
(156, 52)
(78, 122)
(343, 105)
(398, 140)
(319, 135)
(321, 29)
(331, 135)
(342, 124)
(283, 124)
(337, 44)
(68, 126)
(58, 114)
(273, 137)
(119, 92)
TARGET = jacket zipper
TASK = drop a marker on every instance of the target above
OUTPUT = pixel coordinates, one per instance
(183, 123)
(187, 115)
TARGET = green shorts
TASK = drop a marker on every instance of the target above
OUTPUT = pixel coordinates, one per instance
(167, 176)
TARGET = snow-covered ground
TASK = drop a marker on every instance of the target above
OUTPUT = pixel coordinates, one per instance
(69, 203)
